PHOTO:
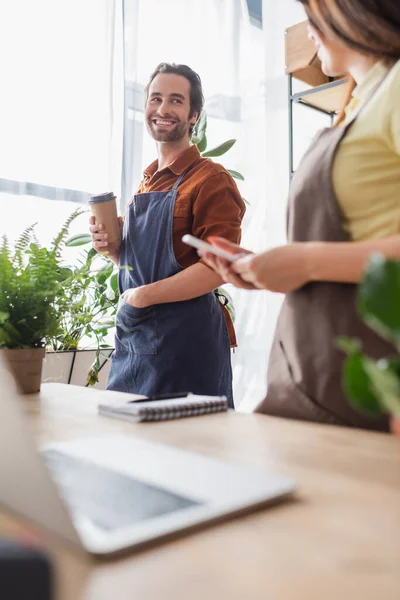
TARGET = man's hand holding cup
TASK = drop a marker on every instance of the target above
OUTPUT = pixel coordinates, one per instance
(105, 225)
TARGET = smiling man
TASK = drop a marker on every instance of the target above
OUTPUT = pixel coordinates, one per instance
(173, 335)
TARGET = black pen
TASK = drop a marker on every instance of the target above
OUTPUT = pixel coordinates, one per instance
(161, 397)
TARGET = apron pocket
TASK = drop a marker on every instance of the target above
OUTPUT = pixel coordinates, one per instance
(136, 329)
(309, 409)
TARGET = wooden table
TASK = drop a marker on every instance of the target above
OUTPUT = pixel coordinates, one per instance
(339, 539)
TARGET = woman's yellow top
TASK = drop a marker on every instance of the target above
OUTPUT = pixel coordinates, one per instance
(366, 168)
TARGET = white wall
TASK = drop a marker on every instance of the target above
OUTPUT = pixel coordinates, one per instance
(277, 17)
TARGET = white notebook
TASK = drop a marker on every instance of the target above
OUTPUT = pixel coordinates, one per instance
(191, 405)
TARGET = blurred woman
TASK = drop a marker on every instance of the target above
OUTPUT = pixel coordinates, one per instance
(344, 205)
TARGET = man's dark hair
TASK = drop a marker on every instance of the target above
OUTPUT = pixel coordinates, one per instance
(196, 90)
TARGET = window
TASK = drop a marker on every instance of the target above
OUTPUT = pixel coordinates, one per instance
(255, 12)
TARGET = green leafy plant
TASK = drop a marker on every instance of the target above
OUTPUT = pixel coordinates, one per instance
(199, 138)
(31, 281)
(87, 303)
(373, 387)
(45, 302)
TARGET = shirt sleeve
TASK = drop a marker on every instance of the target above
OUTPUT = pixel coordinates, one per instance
(218, 209)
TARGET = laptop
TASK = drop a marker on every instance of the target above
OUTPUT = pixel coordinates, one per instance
(114, 493)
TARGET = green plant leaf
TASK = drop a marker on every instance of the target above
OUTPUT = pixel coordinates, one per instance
(105, 272)
(65, 273)
(220, 150)
(4, 317)
(246, 201)
(91, 254)
(386, 383)
(379, 297)
(92, 376)
(236, 174)
(80, 239)
(348, 345)
(393, 364)
(359, 387)
(202, 145)
(114, 282)
(14, 333)
(101, 331)
(200, 128)
(107, 323)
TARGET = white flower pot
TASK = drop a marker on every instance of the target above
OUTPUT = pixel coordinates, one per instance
(72, 366)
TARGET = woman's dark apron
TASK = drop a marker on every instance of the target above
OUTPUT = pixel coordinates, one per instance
(305, 367)
(172, 347)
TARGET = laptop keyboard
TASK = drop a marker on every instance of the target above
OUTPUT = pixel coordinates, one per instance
(109, 499)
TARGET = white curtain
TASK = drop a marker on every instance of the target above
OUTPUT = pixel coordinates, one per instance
(259, 310)
(268, 227)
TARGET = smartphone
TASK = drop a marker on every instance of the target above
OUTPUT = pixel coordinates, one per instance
(191, 240)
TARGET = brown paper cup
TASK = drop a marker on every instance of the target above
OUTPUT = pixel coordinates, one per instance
(104, 209)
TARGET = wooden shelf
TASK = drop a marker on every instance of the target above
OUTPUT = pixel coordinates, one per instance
(328, 97)
(303, 64)
(301, 59)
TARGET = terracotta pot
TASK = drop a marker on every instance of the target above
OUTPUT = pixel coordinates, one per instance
(395, 427)
(26, 367)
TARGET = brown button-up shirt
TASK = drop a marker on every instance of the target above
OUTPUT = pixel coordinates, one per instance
(208, 203)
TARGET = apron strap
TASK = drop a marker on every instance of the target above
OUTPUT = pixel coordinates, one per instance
(177, 182)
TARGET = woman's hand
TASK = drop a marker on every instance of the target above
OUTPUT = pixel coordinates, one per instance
(224, 267)
(282, 269)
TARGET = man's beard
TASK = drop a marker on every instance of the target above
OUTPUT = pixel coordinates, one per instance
(179, 131)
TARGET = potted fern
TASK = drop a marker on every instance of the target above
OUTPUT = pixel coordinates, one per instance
(31, 278)
(47, 305)
(373, 387)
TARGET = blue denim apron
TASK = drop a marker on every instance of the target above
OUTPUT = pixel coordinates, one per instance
(172, 347)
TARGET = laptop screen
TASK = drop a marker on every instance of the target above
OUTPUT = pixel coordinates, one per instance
(111, 500)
